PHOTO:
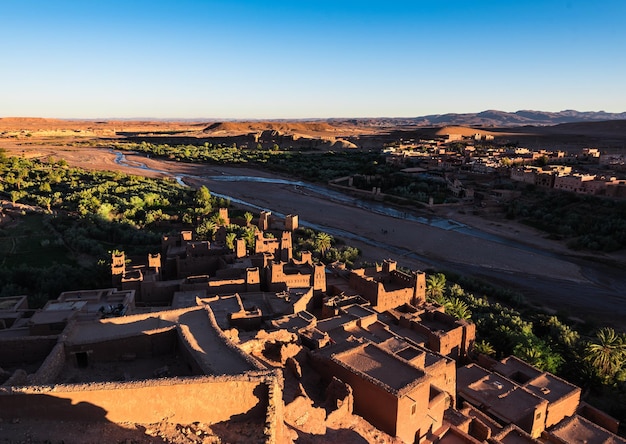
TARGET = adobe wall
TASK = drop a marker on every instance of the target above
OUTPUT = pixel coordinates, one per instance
(144, 345)
(373, 403)
(159, 292)
(187, 353)
(195, 265)
(367, 288)
(598, 417)
(443, 376)
(415, 422)
(51, 367)
(532, 424)
(29, 349)
(290, 280)
(393, 299)
(184, 401)
(562, 408)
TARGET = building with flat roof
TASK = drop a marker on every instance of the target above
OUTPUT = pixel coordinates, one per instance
(392, 393)
(577, 429)
(563, 397)
(501, 398)
(384, 287)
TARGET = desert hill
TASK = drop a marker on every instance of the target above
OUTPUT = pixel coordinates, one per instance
(608, 128)
(284, 127)
(488, 118)
(462, 130)
(37, 124)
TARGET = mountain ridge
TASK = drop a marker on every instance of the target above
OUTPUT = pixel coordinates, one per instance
(492, 118)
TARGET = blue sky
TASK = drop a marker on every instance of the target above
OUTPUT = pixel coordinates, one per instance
(308, 59)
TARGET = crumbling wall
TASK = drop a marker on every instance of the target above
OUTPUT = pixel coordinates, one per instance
(51, 367)
(274, 425)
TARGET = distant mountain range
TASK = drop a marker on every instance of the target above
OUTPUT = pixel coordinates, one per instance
(493, 118)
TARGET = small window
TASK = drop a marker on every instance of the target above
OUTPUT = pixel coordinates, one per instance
(413, 409)
(538, 415)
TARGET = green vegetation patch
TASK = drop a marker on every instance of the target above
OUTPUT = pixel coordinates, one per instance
(585, 222)
(31, 241)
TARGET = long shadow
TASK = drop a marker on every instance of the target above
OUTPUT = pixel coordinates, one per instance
(51, 419)
(344, 436)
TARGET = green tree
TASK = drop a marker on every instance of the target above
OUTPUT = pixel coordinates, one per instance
(458, 308)
(204, 200)
(16, 195)
(436, 286)
(230, 240)
(606, 353)
(206, 230)
(485, 348)
(248, 218)
(249, 235)
(45, 201)
(323, 242)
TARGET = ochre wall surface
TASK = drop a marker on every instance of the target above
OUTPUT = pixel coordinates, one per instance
(183, 401)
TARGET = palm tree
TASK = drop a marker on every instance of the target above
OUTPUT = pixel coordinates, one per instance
(219, 220)
(458, 308)
(249, 235)
(230, 240)
(606, 352)
(484, 348)
(529, 354)
(248, 218)
(435, 286)
(323, 242)
(206, 230)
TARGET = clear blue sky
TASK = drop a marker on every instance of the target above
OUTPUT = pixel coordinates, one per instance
(302, 58)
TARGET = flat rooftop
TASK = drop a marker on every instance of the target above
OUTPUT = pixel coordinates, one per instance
(513, 435)
(434, 325)
(548, 386)
(11, 303)
(516, 369)
(98, 331)
(359, 312)
(499, 395)
(380, 366)
(577, 429)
